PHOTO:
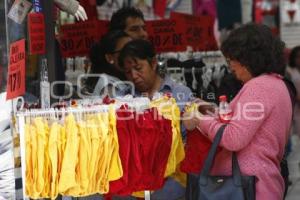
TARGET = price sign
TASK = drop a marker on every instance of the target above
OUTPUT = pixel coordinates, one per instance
(198, 31)
(36, 30)
(165, 35)
(16, 70)
(77, 39)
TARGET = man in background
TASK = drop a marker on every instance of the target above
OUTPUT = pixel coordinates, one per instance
(130, 20)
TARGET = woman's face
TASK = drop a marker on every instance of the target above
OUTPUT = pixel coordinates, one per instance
(239, 71)
(113, 57)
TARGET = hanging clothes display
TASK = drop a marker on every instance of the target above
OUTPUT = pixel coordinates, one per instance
(205, 7)
(90, 7)
(160, 7)
(114, 149)
(60, 165)
(204, 74)
(196, 148)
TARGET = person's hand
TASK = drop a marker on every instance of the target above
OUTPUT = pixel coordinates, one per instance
(205, 108)
(191, 120)
(81, 14)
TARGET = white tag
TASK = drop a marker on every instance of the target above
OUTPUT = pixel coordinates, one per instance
(19, 10)
(45, 94)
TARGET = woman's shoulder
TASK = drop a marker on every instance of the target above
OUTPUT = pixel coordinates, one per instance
(267, 86)
(266, 81)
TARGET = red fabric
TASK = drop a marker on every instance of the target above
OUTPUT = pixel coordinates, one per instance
(196, 150)
(145, 141)
(90, 8)
(124, 149)
(155, 139)
(160, 7)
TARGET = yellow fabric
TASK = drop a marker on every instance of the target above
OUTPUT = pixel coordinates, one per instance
(41, 143)
(28, 157)
(61, 146)
(102, 171)
(68, 177)
(115, 166)
(191, 108)
(47, 162)
(95, 145)
(84, 157)
(55, 131)
(34, 154)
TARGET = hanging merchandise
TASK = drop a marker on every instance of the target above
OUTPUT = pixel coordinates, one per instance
(90, 8)
(205, 7)
(160, 7)
(108, 7)
(266, 12)
(74, 8)
(290, 12)
(229, 13)
(19, 10)
(111, 137)
(290, 22)
(197, 147)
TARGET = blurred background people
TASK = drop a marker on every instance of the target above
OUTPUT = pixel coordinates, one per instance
(293, 72)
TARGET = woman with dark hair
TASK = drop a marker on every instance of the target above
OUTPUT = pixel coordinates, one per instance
(262, 111)
(293, 71)
(105, 69)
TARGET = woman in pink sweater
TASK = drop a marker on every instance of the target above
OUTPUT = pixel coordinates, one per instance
(262, 111)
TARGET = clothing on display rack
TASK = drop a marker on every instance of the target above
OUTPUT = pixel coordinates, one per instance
(196, 148)
(205, 74)
(96, 134)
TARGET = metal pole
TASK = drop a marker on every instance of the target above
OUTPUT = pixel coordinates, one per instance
(48, 10)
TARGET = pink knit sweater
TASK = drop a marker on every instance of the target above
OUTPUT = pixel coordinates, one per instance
(258, 133)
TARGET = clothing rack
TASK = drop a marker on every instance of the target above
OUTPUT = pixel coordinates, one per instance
(53, 112)
(189, 54)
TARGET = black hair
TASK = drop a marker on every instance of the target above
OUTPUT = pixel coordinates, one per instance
(141, 49)
(118, 19)
(106, 45)
(255, 47)
(293, 55)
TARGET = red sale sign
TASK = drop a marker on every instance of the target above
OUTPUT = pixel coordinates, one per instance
(198, 31)
(36, 30)
(77, 39)
(165, 35)
(16, 70)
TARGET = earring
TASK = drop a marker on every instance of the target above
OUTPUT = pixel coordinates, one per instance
(111, 62)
